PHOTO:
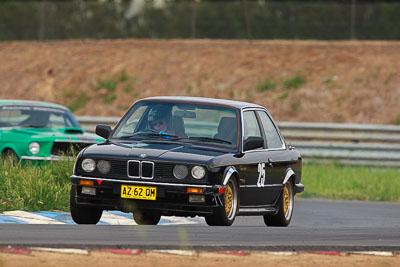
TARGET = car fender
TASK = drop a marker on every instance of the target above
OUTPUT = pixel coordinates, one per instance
(289, 173)
(229, 171)
(13, 148)
(298, 187)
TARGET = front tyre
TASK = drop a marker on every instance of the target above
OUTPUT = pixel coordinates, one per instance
(226, 216)
(144, 218)
(285, 205)
(81, 214)
(10, 155)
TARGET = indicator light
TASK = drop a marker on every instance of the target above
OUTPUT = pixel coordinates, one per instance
(86, 182)
(195, 190)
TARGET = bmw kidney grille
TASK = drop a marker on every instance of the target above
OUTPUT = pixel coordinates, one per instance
(140, 169)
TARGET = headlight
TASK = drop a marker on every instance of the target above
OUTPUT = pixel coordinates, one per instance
(34, 148)
(180, 171)
(103, 166)
(88, 165)
(198, 172)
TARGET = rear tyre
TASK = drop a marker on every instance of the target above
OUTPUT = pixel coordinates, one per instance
(145, 218)
(10, 155)
(285, 208)
(226, 216)
(82, 214)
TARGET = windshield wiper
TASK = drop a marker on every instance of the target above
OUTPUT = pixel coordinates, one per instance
(206, 138)
(127, 136)
(164, 135)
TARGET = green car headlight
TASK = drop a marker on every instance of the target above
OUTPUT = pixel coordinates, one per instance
(34, 148)
(88, 165)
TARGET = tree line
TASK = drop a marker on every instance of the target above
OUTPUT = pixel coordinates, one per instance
(235, 19)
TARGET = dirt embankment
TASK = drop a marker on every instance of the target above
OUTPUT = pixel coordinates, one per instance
(350, 81)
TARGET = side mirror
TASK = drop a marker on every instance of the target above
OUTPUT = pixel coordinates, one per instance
(103, 131)
(253, 142)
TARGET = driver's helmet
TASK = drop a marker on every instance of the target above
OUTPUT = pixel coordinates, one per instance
(159, 112)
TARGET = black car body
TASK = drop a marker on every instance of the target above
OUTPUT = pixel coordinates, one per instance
(217, 159)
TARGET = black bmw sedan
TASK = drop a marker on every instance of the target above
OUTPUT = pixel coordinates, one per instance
(188, 156)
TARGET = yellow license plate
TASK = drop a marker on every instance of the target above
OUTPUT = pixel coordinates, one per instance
(138, 192)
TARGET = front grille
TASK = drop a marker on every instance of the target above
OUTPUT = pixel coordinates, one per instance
(67, 148)
(134, 169)
(140, 169)
(164, 171)
(147, 170)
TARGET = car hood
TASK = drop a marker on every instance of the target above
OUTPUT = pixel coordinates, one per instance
(68, 134)
(163, 151)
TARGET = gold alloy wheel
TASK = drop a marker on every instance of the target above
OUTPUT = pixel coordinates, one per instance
(228, 200)
(286, 199)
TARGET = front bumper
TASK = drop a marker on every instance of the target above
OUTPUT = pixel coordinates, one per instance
(172, 199)
(299, 188)
(49, 158)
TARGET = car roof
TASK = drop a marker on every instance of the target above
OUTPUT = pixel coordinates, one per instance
(204, 100)
(13, 102)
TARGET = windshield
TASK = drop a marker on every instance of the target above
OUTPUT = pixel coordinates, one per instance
(35, 117)
(179, 121)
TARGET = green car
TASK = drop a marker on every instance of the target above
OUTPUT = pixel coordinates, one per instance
(40, 131)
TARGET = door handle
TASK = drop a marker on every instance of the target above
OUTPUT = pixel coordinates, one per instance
(270, 163)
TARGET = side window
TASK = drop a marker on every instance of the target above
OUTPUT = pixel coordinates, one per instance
(273, 138)
(251, 127)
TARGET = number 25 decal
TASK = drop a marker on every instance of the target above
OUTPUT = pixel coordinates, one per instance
(261, 175)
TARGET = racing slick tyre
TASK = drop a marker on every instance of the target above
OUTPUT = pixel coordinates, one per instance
(227, 214)
(285, 208)
(144, 218)
(81, 214)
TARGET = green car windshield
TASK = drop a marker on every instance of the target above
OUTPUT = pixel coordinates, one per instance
(35, 117)
(180, 121)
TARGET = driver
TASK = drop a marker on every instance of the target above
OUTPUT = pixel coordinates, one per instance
(160, 125)
(158, 119)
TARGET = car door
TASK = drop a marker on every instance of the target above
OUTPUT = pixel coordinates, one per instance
(280, 159)
(254, 170)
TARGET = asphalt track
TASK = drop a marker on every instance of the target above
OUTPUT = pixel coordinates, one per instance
(316, 225)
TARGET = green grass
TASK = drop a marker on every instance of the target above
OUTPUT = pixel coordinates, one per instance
(265, 85)
(129, 84)
(109, 98)
(295, 105)
(284, 95)
(34, 188)
(295, 82)
(127, 88)
(109, 84)
(122, 77)
(334, 181)
(78, 101)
